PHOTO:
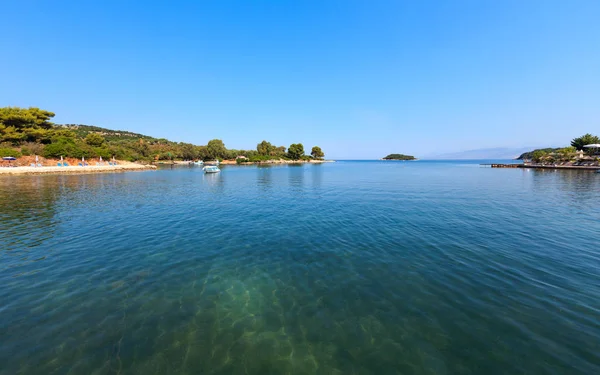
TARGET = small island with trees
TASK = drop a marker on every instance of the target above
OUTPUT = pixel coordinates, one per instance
(399, 157)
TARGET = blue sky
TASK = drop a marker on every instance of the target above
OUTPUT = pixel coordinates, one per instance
(359, 78)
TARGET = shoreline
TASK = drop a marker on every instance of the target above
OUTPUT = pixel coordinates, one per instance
(277, 161)
(23, 171)
(233, 162)
(534, 166)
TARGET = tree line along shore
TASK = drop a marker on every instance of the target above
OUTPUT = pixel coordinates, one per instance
(27, 132)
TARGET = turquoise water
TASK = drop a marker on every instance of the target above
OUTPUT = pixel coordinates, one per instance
(342, 268)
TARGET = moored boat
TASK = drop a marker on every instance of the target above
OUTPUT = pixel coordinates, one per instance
(211, 169)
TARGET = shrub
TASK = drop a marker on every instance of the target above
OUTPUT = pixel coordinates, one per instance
(94, 139)
(4, 152)
(32, 148)
(61, 148)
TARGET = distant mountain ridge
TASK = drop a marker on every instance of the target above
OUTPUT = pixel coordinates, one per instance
(484, 153)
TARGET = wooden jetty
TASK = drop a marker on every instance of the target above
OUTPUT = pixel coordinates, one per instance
(503, 165)
(546, 166)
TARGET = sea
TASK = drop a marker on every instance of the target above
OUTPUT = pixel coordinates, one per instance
(352, 267)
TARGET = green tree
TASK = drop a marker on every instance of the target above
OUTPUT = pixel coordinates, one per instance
(233, 154)
(539, 155)
(63, 133)
(21, 118)
(202, 152)
(94, 139)
(216, 149)
(9, 152)
(37, 135)
(265, 148)
(296, 151)
(586, 139)
(188, 151)
(61, 146)
(567, 153)
(280, 151)
(317, 153)
(12, 135)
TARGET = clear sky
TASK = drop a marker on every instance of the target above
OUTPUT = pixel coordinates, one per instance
(359, 78)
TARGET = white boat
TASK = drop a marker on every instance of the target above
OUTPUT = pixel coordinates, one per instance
(211, 169)
(199, 162)
(216, 162)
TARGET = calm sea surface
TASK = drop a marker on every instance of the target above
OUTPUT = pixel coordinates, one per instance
(343, 268)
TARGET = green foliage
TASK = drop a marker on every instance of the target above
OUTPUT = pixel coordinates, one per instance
(399, 157)
(216, 149)
(37, 135)
(12, 135)
(23, 118)
(566, 153)
(32, 148)
(567, 150)
(61, 146)
(265, 148)
(31, 132)
(4, 152)
(317, 153)
(94, 139)
(296, 151)
(188, 151)
(586, 139)
(259, 158)
(81, 131)
(233, 154)
(529, 155)
(63, 133)
(539, 155)
(280, 151)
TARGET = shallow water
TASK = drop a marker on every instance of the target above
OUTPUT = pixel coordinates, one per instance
(343, 268)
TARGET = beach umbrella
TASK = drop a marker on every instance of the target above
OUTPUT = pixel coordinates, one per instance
(593, 145)
(9, 159)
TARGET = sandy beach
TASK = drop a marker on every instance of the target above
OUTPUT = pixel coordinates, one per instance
(125, 167)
